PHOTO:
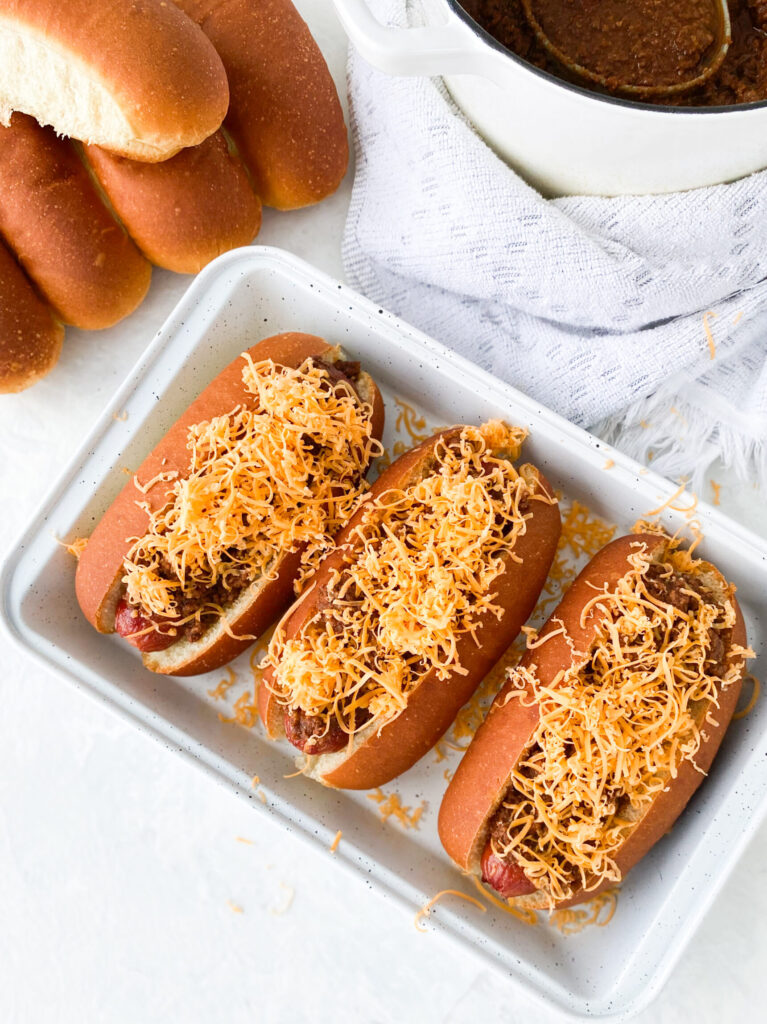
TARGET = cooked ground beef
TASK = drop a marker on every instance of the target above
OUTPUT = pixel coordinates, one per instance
(742, 77)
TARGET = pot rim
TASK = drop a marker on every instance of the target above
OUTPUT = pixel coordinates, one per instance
(654, 108)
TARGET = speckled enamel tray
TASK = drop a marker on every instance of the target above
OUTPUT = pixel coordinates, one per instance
(242, 297)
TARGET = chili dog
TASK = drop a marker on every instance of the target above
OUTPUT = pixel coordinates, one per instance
(201, 550)
(603, 731)
(429, 583)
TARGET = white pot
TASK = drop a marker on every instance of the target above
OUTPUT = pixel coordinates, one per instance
(561, 138)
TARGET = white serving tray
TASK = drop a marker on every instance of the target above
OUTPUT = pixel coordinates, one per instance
(249, 294)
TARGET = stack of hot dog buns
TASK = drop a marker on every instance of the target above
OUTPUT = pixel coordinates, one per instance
(409, 592)
(186, 117)
(200, 552)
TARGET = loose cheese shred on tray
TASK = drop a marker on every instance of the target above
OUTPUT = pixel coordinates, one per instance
(75, 547)
(669, 503)
(583, 534)
(283, 471)
(245, 710)
(234, 907)
(614, 727)
(425, 910)
(716, 488)
(336, 841)
(390, 805)
(409, 421)
(382, 629)
(599, 911)
(220, 691)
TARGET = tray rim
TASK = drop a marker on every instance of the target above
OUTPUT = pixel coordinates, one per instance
(270, 258)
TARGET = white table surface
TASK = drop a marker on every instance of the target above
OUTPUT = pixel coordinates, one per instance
(119, 863)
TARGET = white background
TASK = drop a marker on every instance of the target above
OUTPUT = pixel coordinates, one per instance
(119, 863)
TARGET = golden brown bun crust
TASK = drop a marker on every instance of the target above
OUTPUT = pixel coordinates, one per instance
(101, 564)
(69, 244)
(160, 68)
(435, 702)
(184, 212)
(30, 337)
(284, 113)
(482, 777)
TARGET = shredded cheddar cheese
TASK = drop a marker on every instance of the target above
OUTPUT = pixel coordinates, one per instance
(245, 710)
(420, 576)
(426, 909)
(409, 421)
(614, 727)
(390, 805)
(163, 477)
(75, 547)
(669, 503)
(336, 841)
(283, 472)
(716, 488)
(220, 691)
(599, 911)
(583, 534)
(415, 427)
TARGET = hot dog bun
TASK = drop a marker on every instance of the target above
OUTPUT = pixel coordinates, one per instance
(482, 779)
(284, 113)
(376, 755)
(99, 579)
(184, 212)
(51, 216)
(30, 337)
(134, 76)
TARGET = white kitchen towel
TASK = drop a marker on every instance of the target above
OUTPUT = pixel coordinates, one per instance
(597, 307)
